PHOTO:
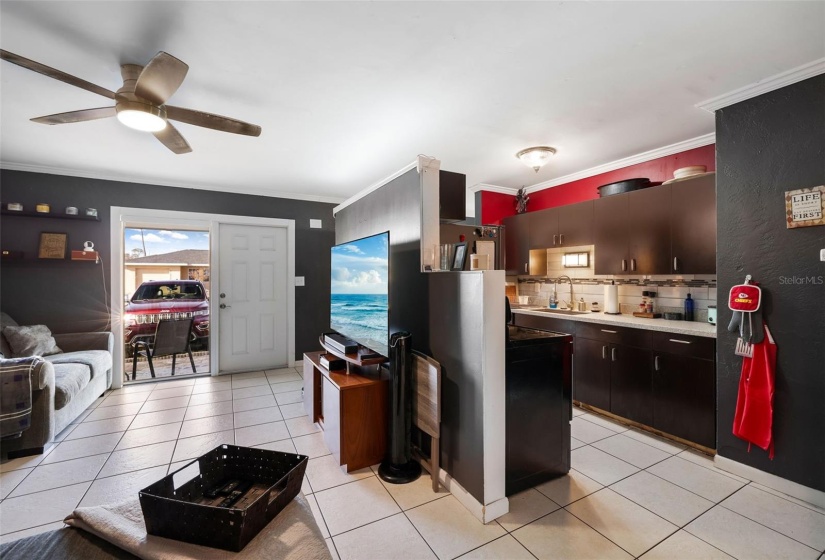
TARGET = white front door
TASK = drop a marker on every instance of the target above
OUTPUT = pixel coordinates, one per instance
(253, 298)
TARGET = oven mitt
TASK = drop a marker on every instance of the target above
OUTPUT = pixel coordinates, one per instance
(740, 322)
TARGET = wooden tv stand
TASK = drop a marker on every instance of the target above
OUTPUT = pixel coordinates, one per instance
(350, 408)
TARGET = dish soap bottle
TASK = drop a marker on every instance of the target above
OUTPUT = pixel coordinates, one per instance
(689, 308)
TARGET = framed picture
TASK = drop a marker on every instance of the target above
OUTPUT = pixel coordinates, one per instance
(52, 246)
(459, 255)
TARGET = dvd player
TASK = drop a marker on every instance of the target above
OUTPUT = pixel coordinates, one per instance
(341, 343)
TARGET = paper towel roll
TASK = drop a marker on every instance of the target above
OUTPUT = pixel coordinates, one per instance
(611, 298)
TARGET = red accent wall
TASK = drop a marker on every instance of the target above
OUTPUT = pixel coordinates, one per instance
(495, 206)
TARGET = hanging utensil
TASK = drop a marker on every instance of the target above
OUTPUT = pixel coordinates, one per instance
(744, 344)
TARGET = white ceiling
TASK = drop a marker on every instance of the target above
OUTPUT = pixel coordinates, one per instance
(349, 92)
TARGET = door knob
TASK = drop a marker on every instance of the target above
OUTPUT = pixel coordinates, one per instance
(224, 306)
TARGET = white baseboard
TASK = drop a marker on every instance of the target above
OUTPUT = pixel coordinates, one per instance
(798, 491)
(484, 513)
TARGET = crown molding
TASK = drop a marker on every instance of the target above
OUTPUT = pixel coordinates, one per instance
(669, 150)
(777, 81)
(492, 188)
(424, 161)
(11, 166)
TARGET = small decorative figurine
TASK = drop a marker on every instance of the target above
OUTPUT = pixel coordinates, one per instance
(521, 201)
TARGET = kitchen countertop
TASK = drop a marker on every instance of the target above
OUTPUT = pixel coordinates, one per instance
(663, 325)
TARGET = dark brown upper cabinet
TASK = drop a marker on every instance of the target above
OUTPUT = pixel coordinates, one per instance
(517, 244)
(544, 228)
(611, 235)
(648, 216)
(563, 226)
(693, 226)
(576, 224)
(669, 229)
(452, 192)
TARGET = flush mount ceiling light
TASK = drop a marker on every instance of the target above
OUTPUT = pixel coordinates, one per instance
(536, 156)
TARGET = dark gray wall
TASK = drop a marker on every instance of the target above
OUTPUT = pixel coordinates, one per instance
(395, 207)
(455, 300)
(764, 147)
(68, 296)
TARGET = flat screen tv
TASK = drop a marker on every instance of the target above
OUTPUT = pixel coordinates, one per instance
(359, 304)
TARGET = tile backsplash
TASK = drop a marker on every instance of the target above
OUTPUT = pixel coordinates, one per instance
(671, 290)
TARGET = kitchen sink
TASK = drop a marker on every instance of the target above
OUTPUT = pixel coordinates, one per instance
(560, 311)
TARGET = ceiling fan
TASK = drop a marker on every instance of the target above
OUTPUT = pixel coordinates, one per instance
(141, 102)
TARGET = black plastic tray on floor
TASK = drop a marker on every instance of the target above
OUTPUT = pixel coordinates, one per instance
(171, 513)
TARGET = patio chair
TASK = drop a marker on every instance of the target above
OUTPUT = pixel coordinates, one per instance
(171, 338)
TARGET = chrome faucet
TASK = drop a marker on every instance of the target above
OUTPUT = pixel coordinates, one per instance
(572, 299)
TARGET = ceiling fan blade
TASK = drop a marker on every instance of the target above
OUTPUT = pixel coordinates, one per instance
(77, 116)
(208, 120)
(172, 139)
(54, 73)
(161, 78)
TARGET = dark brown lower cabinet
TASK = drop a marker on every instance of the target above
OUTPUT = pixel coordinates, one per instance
(591, 372)
(662, 380)
(630, 390)
(684, 398)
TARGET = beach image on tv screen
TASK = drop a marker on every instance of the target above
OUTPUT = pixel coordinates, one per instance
(359, 305)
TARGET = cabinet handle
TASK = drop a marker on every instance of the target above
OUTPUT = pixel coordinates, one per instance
(561, 239)
(675, 264)
(681, 341)
(555, 236)
(525, 268)
(624, 265)
(608, 331)
(613, 353)
(604, 352)
(656, 363)
(632, 264)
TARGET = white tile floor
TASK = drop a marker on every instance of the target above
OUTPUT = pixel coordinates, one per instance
(629, 494)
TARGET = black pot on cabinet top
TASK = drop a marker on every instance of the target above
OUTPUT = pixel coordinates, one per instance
(623, 186)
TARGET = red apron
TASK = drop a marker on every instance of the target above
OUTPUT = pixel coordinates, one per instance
(754, 406)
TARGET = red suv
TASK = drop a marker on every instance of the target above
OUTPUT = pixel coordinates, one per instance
(166, 299)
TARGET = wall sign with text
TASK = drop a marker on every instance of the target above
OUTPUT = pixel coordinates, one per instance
(805, 207)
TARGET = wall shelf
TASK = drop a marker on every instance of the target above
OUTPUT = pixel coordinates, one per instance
(29, 214)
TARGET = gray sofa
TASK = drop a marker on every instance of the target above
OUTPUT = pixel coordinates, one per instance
(62, 387)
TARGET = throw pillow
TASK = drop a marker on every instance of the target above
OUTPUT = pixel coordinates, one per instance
(36, 340)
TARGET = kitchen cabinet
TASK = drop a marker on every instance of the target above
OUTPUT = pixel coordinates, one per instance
(452, 192)
(610, 234)
(684, 388)
(544, 228)
(693, 226)
(630, 389)
(563, 226)
(669, 229)
(613, 364)
(517, 244)
(648, 226)
(576, 224)
(632, 232)
(591, 372)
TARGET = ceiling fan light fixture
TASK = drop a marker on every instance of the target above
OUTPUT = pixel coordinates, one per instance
(536, 157)
(142, 117)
